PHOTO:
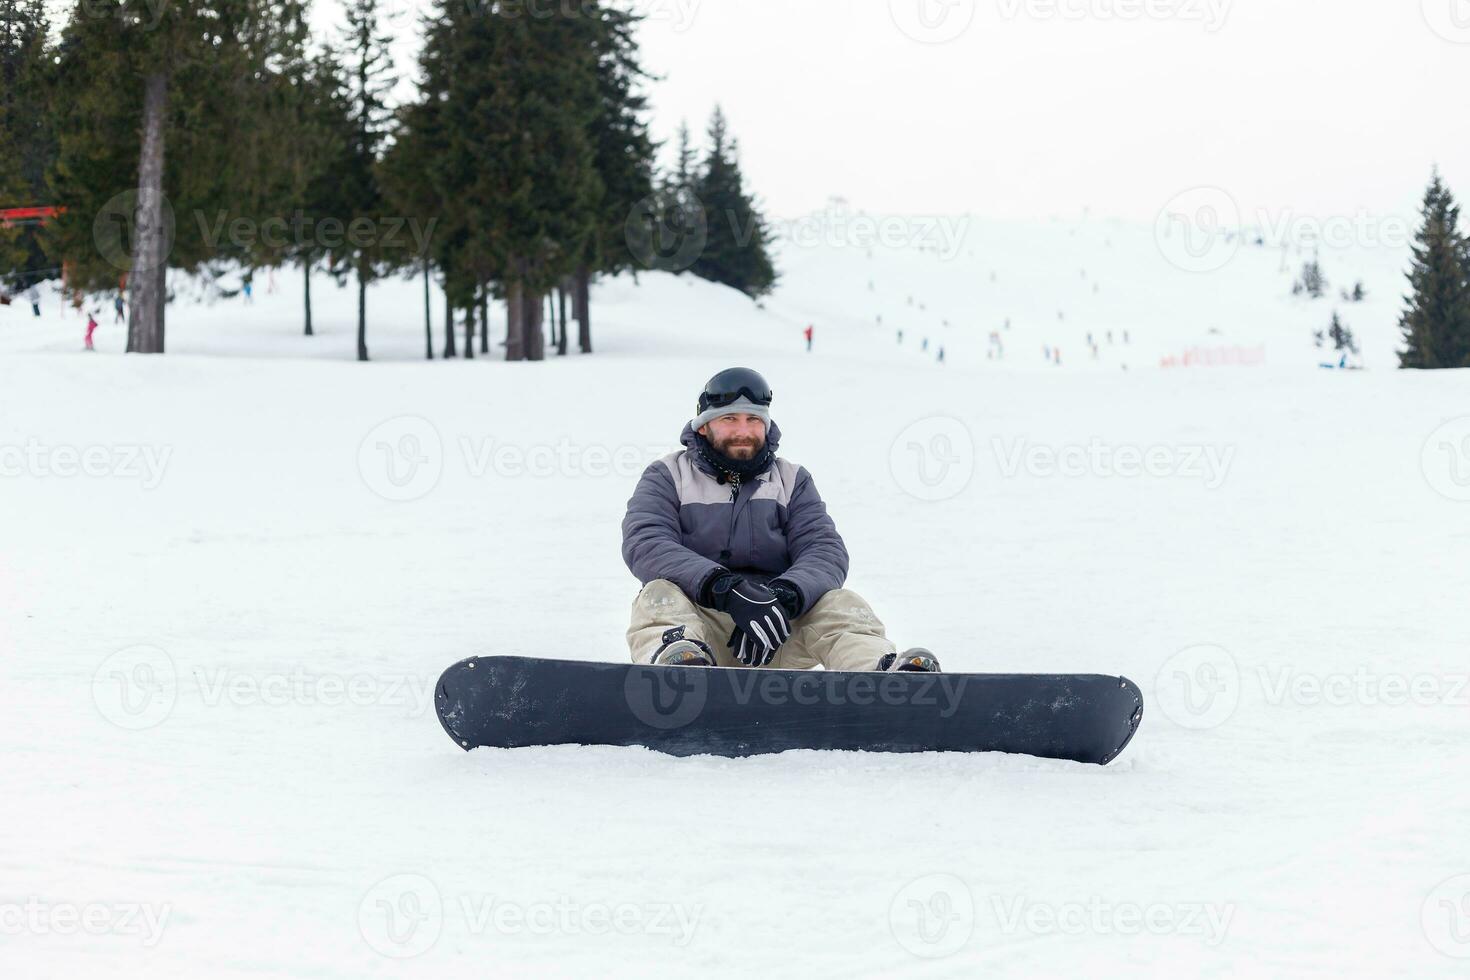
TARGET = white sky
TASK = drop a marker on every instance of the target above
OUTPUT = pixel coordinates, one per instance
(1038, 107)
(1318, 106)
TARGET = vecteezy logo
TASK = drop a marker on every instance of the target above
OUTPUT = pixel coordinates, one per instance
(932, 21)
(1450, 19)
(1446, 459)
(136, 688)
(115, 232)
(1199, 687)
(402, 459)
(1446, 917)
(666, 698)
(933, 459)
(933, 916)
(401, 916)
(1199, 230)
(667, 233)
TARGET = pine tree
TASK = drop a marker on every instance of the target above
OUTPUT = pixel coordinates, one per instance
(323, 151)
(1342, 338)
(412, 187)
(1312, 281)
(670, 232)
(27, 142)
(623, 160)
(287, 147)
(685, 173)
(737, 250)
(369, 73)
(153, 99)
(517, 99)
(1436, 324)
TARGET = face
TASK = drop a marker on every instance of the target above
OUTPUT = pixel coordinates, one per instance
(738, 436)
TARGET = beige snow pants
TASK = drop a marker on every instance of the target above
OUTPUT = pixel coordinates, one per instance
(840, 631)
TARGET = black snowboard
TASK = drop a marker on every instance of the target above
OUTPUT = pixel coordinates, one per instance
(512, 702)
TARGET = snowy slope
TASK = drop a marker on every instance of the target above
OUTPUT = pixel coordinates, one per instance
(217, 650)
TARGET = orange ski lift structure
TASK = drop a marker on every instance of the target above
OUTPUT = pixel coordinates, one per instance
(28, 216)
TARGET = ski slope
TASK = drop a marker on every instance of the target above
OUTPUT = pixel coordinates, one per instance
(232, 574)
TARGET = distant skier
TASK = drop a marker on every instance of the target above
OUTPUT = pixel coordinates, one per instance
(808, 333)
(925, 345)
(730, 540)
(33, 296)
(900, 336)
(117, 306)
(249, 288)
(91, 329)
(941, 355)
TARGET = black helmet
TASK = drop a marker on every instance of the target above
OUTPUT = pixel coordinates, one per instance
(727, 387)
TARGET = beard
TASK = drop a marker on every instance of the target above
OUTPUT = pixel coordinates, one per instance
(742, 447)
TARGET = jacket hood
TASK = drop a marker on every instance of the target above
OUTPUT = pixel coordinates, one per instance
(688, 436)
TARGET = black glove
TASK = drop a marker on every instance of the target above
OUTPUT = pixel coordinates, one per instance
(789, 596)
(761, 625)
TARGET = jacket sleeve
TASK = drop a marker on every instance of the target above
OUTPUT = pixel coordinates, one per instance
(653, 544)
(818, 556)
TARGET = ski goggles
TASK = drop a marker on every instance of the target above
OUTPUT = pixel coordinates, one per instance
(718, 395)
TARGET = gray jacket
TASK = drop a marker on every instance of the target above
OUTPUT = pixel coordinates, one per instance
(687, 526)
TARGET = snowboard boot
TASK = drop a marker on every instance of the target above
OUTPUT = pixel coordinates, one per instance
(678, 651)
(915, 659)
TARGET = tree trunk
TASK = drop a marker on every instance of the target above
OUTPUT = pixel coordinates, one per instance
(551, 316)
(535, 340)
(469, 330)
(146, 298)
(484, 319)
(362, 351)
(449, 351)
(582, 308)
(515, 329)
(428, 317)
(306, 270)
(561, 299)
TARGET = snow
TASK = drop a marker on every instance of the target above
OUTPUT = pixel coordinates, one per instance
(255, 804)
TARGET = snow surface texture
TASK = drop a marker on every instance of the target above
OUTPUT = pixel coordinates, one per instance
(220, 634)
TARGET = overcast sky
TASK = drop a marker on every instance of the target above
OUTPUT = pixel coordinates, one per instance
(1028, 108)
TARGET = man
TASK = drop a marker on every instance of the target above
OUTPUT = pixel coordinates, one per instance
(740, 562)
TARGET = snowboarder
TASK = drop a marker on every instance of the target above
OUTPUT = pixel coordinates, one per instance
(760, 562)
(33, 296)
(91, 328)
(808, 333)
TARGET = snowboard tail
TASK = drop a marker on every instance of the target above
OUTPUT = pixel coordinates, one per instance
(516, 702)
